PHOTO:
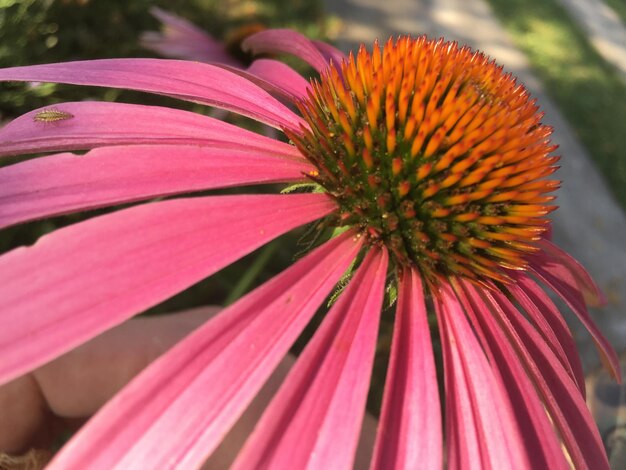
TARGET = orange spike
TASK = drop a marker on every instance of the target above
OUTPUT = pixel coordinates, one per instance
(478, 243)
(372, 109)
(367, 158)
(489, 220)
(500, 236)
(435, 142)
(391, 141)
(349, 145)
(440, 212)
(473, 178)
(403, 188)
(423, 171)
(345, 125)
(416, 147)
(368, 140)
(409, 127)
(396, 166)
(457, 199)
(390, 112)
(431, 190)
(469, 217)
(451, 180)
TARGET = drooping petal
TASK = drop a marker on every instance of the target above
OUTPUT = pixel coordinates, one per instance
(276, 78)
(559, 393)
(329, 52)
(286, 41)
(550, 324)
(315, 418)
(85, 278)
(561, 280)
(481, 428)
(96, 124)
(541, 442)
(203, 384)
(192, 81)
(63, 183)
(181, 39)
(594, 297)
(409, 433)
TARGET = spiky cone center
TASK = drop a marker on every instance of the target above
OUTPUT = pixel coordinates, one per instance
(434, 152)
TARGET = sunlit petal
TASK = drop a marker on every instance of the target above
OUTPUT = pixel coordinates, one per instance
(411, 383)
(203, 384)
(315, 418)
(85, 278)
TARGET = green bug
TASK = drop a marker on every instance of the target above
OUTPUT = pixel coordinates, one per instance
(52, 115)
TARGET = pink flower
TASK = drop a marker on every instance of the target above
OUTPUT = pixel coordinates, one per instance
(429, 167)
(181, 39)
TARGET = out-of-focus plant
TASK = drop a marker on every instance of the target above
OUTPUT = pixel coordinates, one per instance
(43, 31)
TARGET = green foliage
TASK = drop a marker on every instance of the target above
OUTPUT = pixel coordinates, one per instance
(589, 91)
(43, 31)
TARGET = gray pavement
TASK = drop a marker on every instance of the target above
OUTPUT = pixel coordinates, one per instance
(589, 224)
(603, 28)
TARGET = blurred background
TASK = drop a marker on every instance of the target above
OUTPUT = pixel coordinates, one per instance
(571, 54)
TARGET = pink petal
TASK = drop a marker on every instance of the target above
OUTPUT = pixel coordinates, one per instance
(63, 183)
(285, 41)
(182, 39)
(176, 412)
(480, 424)
(315, 418)
(550, 324)
(411, 399)
(540, 440)
(192, 81)
(561, 398)
(85, 278)
(96, 124)
(591, 292)
(329, 52)
(275, 76)
(560, 279)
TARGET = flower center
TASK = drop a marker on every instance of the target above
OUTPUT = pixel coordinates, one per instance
(431, 150)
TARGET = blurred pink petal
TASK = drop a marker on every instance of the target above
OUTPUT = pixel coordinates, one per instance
(411, 383)
(96, 124)
(594, 296)
(85, 278)
(276, 78)
(192, 81)
(561, 280)
(480, 424)
(560, 396)
(286, 41)
(330, 53)
(535, 426)
(550, 324)
(202, 385)
(183, 40)
(315, 418)
(63, 183)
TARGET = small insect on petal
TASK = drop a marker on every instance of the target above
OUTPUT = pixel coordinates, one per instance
(52, 115)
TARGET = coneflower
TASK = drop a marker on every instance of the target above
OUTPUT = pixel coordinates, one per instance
(431, 169)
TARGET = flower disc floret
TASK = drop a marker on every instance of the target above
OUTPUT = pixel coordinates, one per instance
(436, 153)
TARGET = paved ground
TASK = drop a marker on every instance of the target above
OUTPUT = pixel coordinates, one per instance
(604, 29)
(589, 223)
